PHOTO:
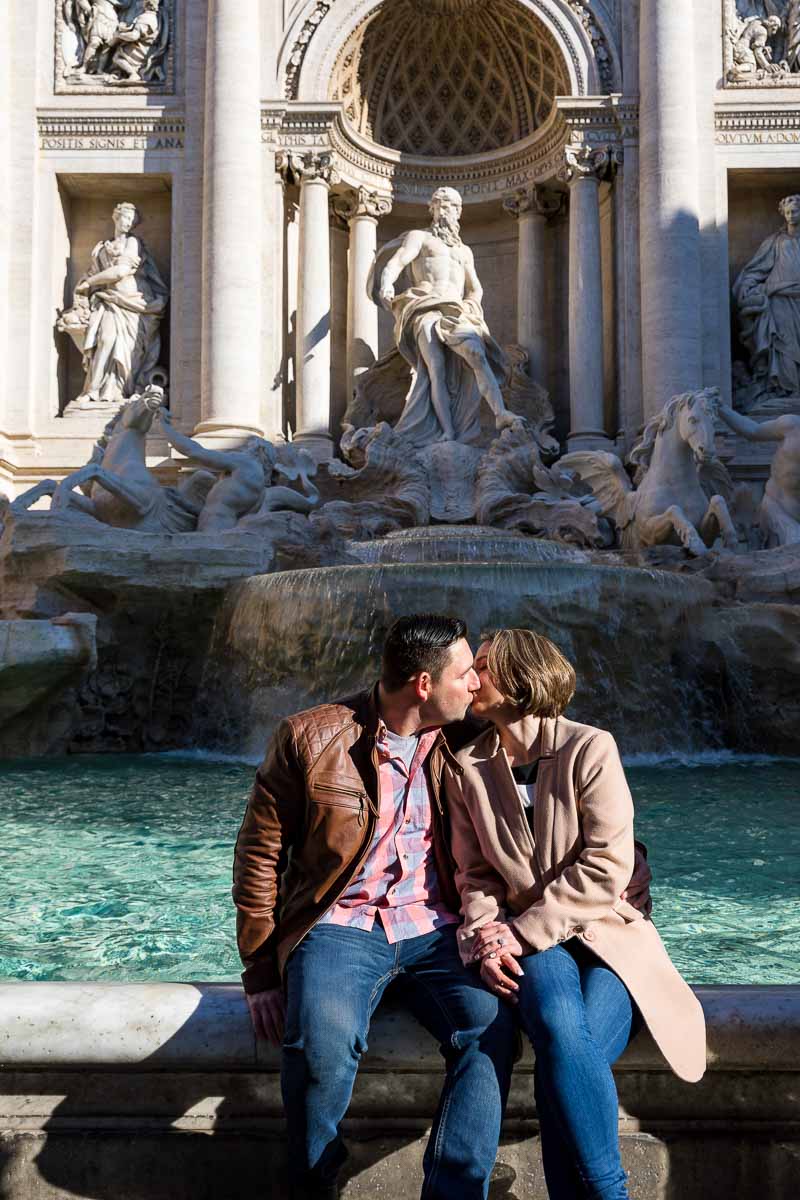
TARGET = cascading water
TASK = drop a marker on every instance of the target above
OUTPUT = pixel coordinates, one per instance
(288, 640)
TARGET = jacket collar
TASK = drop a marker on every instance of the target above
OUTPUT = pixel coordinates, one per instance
(369, 717)
(548, 743)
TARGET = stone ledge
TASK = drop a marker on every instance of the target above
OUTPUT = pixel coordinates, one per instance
(205, 1026)
(160, 1092)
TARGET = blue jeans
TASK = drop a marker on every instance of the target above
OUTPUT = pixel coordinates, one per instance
(334, 980)
(579, 1017)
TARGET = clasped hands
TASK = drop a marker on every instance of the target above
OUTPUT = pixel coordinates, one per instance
(497, 949)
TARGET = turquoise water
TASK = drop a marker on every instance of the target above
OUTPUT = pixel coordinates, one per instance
(119, 868)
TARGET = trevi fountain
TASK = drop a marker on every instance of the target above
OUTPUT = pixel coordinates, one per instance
(321, 312)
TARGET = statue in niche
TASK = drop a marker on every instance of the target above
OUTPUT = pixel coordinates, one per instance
(766, 296)
(779, 512)
(440, 330)
(245, 485)
(112, 51)
(115, 318)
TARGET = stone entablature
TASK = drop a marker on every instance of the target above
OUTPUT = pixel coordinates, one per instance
(362, 163)
(61, 132)
(757, 126)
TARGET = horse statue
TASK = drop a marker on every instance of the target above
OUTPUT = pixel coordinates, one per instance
(668, 502)
(116, 487)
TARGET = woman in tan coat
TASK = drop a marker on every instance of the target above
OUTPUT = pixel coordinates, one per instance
(542, 833)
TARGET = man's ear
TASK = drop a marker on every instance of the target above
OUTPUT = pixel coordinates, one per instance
(422, 686)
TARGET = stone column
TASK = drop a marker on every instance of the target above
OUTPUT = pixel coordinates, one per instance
(231, 382)
(668, 191)
(532, 206)
(315, 173)
(361, 210)
(584, 167)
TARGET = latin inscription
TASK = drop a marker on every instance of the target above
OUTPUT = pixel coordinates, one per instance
(769, 137)
(150, 141)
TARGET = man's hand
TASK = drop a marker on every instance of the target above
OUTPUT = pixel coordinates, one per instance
(387, 296)
(493, 938)
(498, 975)
(268, 1013)
(637, 892)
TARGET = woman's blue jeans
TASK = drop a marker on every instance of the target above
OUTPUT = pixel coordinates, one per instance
(335, 979)
(579, 1017)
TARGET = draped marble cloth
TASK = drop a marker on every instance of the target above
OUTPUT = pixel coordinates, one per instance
(458, 322)
(122, 341)
(767, 293)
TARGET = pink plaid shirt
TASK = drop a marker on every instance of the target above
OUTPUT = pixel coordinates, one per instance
(398, 877)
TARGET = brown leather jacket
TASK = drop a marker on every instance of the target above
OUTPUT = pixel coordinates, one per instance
(309, 824)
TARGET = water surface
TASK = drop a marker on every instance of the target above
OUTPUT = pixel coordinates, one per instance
(119, 868)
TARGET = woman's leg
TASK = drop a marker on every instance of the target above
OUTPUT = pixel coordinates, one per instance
(574, 1079)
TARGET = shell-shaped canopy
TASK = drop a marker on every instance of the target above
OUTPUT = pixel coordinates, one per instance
(449, 77)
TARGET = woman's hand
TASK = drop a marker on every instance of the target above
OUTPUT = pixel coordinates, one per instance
(497, 973)
(495, 937)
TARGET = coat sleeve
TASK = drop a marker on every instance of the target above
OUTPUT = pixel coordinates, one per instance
(481, 889)
(269, 828)
(591, 886)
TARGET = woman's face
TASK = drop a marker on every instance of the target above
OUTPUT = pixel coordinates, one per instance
(488, 702)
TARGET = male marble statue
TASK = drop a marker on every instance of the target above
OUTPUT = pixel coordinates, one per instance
(115, 319)
(440, 330)
(133, 42)
(245, 479)
(780, 507)
(767, 297)
(752, 54)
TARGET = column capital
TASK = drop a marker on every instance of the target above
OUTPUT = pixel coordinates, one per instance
(585, 162)
(361, 202)
(541, 201)
(310, 167)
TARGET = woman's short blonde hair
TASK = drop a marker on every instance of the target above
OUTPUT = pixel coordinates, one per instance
(530, 671)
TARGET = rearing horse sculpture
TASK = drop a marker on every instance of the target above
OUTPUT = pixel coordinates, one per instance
(117, 488)
(669, 503)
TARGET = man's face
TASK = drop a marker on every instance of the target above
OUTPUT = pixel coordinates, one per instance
(773, 24)
(451, 694)
(446, 211)
(123, 219)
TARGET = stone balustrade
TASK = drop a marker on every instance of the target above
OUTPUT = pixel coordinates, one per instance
(161, 1090)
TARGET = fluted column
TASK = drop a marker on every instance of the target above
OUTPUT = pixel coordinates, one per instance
(231, 377)
(532, 207)
(583, 171)
(361, 210)
(669, 204)
(316, 174)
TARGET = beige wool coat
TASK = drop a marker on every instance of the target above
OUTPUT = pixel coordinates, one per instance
(566, 879)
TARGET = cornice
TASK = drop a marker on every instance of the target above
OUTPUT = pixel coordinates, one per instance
(80, 130)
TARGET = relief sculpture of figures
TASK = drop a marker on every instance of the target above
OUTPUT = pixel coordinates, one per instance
(767, 299)
(114, 42)
(118, 308)
(763, 41)
(440, 330)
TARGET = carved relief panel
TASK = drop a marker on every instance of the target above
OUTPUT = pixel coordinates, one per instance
(761, 43)
(107, 46)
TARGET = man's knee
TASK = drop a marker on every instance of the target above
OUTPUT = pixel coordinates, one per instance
(325, 1033)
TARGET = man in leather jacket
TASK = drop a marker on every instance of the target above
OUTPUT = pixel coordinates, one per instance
(343, 882)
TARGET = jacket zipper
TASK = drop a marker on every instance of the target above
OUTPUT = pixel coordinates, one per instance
(362, 854)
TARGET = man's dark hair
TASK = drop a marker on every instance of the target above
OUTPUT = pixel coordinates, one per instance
(418, 643)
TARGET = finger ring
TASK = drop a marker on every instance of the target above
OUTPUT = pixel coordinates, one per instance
(492, 955)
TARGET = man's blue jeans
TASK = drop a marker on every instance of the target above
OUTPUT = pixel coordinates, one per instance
(334, 980)
(579, 1017)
